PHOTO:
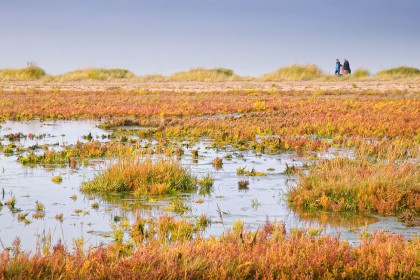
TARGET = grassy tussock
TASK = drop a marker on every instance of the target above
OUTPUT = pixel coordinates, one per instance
(343, 184)
(96, 74)
(25, 74)
(294, 73)
(399, 73)
(143, 176)
(361, 73)
(204, 75)
(269, 253)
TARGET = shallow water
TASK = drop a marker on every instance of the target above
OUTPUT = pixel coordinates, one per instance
(265, 197)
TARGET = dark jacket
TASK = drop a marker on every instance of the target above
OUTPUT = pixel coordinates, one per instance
(347, 66)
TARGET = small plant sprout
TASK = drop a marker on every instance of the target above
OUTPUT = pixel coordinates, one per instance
(38, 215)
(255, 203)
(57, 179)
(290, 169)
(59, 217)
(22, 216)
(238, 225)
(243, 184)
(194, 154)
(11, 203)
(39, 206)
(206, 184)
(95, 205)
(203, 221)
(217, 163)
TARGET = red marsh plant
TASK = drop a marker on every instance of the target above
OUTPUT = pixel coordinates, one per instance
(343, 184)
(294, 113)
(143, 176)
(267, 253)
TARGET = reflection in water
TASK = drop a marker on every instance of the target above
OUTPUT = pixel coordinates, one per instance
(337, 219)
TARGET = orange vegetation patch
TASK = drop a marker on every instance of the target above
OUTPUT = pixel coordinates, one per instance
(267, 254)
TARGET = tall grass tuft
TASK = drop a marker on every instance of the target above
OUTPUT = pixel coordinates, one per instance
(294, 72)
(204, 75)
(25, 74)
(399, 73)
(96, 74)
(143, 176)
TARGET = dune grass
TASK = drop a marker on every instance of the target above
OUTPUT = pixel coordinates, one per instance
(399, 73)
(294, 72)
(99, 74)
(24, 74)
(143, 177)
(204, 75)
(361, 73)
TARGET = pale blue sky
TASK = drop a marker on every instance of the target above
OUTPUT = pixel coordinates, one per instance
(249, 36)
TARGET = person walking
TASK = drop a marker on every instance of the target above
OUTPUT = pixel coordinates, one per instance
(347, 69)
(337, 67)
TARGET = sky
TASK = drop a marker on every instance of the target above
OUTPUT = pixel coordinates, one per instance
(249, 36)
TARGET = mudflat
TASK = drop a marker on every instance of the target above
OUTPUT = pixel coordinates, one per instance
(408, 86)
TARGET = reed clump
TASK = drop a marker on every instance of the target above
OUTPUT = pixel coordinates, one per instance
(24, 74)
(99, 74)
(294, 72)
(358, 185)
(143, 176)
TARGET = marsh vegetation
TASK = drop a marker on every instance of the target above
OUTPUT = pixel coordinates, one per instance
(197, 174)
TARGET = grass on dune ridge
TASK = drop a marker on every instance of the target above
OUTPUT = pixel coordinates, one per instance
(399, 73)
(96, 74)
(204, 75)
(24, 74)
(296, 72)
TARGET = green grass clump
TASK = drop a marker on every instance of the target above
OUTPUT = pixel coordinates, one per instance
(358, 185)
(294, 73)
(96, 74)
(399, 73)
(204, 75)
(25, 74)
(206, 184)
(143, 176)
